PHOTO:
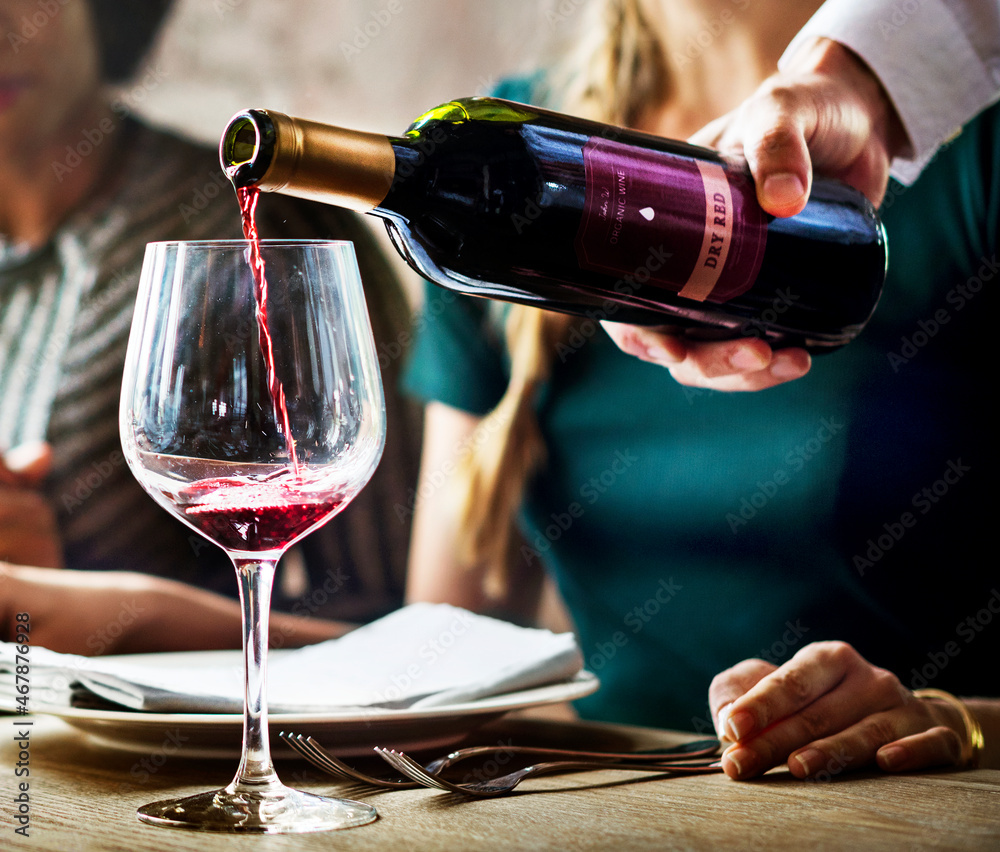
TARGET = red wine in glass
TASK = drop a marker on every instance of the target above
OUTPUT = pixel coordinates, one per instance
(242, 514)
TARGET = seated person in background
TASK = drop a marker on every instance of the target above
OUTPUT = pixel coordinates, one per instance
(84, 185)
(688, 529)
(665, 587)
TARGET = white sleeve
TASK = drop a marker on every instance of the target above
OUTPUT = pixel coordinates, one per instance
(938, 60)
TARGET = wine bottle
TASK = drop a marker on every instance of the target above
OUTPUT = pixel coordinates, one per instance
(508, 201)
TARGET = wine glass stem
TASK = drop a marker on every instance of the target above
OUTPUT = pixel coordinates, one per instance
(256, 771)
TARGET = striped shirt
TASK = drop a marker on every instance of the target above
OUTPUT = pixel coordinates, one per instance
(65, 315)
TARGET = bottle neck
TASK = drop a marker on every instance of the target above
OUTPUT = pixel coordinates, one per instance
(278, 153)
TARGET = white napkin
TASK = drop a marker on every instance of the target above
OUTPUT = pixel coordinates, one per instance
(423, 655)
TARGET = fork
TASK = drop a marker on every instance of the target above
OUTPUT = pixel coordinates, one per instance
(322, 759)
(503, 784)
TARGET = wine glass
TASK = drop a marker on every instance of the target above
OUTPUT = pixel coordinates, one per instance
(252, 409)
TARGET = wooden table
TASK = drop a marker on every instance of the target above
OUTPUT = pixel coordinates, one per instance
(84, 796)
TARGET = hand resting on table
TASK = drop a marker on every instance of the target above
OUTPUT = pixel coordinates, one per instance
(828, 710)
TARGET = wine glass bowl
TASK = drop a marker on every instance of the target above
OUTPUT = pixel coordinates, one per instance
(252, 409)
(198, 406)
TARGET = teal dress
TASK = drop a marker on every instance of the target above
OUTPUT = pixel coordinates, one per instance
(689, 529)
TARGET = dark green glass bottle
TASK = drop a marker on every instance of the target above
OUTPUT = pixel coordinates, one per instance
(508, 201)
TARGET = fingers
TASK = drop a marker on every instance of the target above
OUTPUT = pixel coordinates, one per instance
(7, 476)
(825, 711)
(841, 730)
(826, 689)
(28, 529)
(729, 685)
(808, 676)
(723, 360)
(771, 136)
(825, 112)
(795, 127)
(26, 464)
(646, 344)
(886, 739)
(940, 746)
(772, 130)
(739, 365)
(769, 130)
(748, 364)
(775, 147)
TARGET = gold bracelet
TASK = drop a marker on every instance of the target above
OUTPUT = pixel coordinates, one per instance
(972, 747)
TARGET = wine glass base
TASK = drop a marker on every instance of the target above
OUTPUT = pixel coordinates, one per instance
(283, 811)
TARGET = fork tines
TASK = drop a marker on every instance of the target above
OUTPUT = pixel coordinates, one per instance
(321, 759)
(409, 767)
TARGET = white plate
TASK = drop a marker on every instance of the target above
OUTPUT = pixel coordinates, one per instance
(348, 732)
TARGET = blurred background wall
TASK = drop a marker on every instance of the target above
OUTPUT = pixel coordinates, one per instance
(368, 64)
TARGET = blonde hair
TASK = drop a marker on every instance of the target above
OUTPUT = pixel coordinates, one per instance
(614, 70)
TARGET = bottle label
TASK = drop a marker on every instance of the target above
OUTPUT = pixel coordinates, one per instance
(687, 225)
